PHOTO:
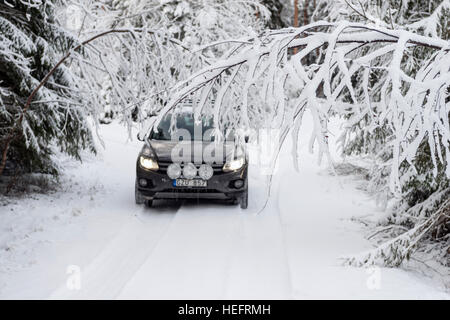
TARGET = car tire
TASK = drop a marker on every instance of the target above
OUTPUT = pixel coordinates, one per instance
(138, 196)
(149, 203)
(243, 200)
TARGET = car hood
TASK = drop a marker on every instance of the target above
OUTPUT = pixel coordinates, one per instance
(194, 151)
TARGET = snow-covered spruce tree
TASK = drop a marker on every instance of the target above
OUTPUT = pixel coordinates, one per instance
(31, 42)
(423, 187)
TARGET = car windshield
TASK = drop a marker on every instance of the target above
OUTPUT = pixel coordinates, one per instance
(186, 128)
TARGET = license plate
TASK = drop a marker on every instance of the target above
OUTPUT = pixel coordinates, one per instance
(189, 183)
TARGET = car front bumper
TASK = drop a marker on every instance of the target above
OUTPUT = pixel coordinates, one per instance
(220, 186)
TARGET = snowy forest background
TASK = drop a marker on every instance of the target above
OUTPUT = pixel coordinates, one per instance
(383, 67)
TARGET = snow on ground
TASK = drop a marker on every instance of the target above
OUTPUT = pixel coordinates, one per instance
(92, 231)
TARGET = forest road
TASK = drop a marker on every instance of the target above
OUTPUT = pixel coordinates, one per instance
(90, 240)
(290, 247)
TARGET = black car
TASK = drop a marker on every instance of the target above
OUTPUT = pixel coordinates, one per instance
(182, 160)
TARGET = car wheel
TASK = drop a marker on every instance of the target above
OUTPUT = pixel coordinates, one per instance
(243, 201)
(138, 196)
(149, 203)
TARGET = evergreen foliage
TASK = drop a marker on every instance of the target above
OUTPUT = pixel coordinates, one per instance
(31, 42)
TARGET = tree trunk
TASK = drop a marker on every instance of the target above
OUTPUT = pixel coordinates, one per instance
(305, 13)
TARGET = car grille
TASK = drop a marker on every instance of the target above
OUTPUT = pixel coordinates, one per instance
(217, 167)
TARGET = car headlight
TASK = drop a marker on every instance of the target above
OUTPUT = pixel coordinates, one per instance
(205, 171)
(148, 163)
(189, 170)
(234, 165)
(174, 171)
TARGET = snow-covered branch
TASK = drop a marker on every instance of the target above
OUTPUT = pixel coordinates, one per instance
(263, 68)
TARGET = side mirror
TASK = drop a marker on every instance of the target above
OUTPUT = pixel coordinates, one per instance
(246, 138)
(139, 137)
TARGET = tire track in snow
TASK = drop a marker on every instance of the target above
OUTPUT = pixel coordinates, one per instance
(191, 259)
(259, 268)
(284, 241)
(217, 252)
(106, 275)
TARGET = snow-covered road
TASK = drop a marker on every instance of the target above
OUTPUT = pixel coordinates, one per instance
(93, 232)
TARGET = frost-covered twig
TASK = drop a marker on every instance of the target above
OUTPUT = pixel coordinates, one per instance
(395, 251)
